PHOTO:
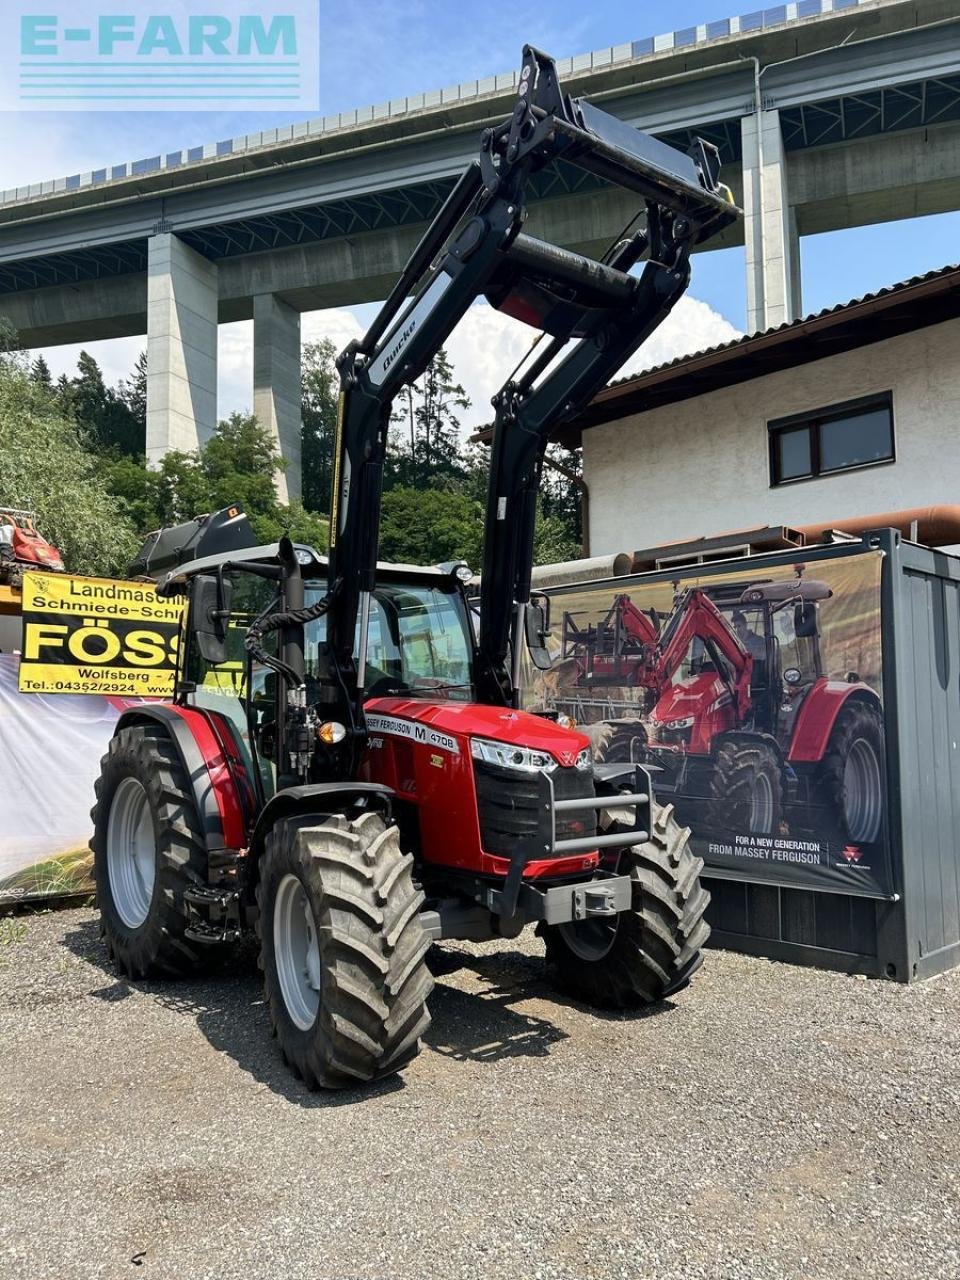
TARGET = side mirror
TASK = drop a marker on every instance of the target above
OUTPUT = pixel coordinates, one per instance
(805, 619)
(210, 601)
(536, 629)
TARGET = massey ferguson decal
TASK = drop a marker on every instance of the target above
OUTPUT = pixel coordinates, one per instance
(756, 697)
(414, 732)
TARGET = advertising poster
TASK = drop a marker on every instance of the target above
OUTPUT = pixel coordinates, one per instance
(756, 698)
(50, 749)
(97, 636)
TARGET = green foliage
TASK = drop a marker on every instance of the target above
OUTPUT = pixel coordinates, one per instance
(553, 541)
(435, 482)
(428, 526)
(425, 448)
(320, 391)
(48, 468)
(297, 523)
(103, 414)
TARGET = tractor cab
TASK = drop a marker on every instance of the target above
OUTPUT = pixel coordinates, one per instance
(419, 645)
(778, 624)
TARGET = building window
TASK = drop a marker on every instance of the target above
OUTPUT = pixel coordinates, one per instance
(841, 437)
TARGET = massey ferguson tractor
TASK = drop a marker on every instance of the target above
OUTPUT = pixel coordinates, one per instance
(344, 768)
(745, 721)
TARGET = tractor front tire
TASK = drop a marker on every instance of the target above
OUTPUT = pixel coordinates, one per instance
(342, 949)
(620, 742)
(746, 789)
(650, 951)
(147, 850)
(850, 783)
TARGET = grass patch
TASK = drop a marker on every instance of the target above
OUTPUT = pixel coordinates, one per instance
(12, 931)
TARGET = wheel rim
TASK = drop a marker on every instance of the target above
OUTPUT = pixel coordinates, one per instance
(761, 805)
(131, 853)
(862, 802)
(297, 952)
(590, 940)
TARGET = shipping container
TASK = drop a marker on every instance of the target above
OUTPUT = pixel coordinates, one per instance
(801, 709)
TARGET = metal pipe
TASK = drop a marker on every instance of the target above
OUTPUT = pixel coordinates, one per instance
(606, 285)
(594, 570)
(935, 526)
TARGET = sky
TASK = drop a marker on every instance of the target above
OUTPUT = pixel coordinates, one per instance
(372, 50)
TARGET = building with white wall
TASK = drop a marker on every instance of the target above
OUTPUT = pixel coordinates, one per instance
(853, 411)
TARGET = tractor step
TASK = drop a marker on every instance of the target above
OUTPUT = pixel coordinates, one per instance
(214, 915)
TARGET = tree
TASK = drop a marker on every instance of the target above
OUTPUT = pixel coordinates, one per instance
(47, 468)
(100, 412)
(425, 447)
(132, 393)
(553, 542)
(40, 372)
(8, 337)
(429, 526)
(320, 388)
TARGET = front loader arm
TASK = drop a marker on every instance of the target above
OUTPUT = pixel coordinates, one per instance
(475, 248)
(698, 618)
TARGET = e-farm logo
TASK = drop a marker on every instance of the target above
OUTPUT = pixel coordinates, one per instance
(186, 55)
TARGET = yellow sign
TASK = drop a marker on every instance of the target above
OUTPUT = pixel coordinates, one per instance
(97, 635)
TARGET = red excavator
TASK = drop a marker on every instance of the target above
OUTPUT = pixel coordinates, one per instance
(345, 769)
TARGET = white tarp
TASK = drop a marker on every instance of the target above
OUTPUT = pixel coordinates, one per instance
(50, 749)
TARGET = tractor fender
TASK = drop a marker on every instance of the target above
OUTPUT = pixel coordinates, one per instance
(324, 797)
(202, 756)
(818, 715)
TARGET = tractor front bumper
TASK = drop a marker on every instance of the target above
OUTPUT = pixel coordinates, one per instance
(563, 903)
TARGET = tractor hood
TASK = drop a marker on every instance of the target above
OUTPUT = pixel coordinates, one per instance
(691, 697)
(476, 720)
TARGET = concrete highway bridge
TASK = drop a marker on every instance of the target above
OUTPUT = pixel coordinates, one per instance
(828, 114)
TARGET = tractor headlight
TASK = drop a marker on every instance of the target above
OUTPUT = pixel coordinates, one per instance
(585, 759)
(685, 723)
(506, 756)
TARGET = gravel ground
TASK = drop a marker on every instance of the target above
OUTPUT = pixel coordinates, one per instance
(768, 1122)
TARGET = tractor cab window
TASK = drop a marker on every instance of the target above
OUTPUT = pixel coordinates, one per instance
(797, 652)
(227, 679)
(417, 642)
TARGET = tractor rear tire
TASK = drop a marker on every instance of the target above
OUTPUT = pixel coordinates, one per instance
(850, 783)
(147, 850)
(746, 789)
(342, 949)
(650, 951)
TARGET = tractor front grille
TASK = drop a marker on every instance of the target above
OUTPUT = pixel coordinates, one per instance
(508, 803)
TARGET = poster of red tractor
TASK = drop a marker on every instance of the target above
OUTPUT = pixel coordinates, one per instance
(755, 698)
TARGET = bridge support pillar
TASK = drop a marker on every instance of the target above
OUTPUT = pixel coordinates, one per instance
(772, 245)
(276, 384)
(182, 301)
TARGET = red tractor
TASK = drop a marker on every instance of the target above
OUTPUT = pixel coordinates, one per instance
(22, 547)
(344, 768)
(745, 721)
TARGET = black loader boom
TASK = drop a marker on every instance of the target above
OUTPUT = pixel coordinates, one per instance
(475, 248)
